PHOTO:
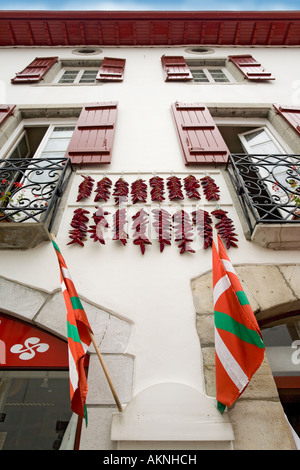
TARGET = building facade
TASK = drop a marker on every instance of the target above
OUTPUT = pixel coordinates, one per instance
(131, 137)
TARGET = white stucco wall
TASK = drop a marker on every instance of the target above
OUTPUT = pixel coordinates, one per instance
(152, 291)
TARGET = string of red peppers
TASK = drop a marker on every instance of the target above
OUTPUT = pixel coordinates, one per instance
(140, 222)
(162, 219)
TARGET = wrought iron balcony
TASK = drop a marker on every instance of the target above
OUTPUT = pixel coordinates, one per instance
(268, 188)
(30, 192)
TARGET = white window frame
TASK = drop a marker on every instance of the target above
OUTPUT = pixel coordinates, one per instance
(16, 137)
(207, 72)
(80, 72)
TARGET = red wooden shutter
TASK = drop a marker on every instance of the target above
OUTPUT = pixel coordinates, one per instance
(93, 136)
(201, 140)
(35, 71)
(5, 111)
(111, 69)
(175, 68)
(291, 114)
(250, 68)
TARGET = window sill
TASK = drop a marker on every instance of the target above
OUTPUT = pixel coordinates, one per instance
(277, 236)
(22, 236)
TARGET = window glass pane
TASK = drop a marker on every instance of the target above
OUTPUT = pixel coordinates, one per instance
(199, 75)
(218, 75)
(88, 76)
(35, 409)
(278, 340)
(69, 76)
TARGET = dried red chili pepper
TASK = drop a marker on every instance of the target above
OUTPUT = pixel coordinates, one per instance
(163, 226)
(78, 233)
(138, 191)
(225, 228)
(174, 188)
(191, 185)
(140, 221)
(121, 190)
(100, 223)
(211, 190)
(85, 188)
(103, 189)
(120, 221)
(157, 191)
(203, 221)
(183, 231)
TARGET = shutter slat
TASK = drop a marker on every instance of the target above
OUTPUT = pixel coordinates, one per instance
(111, 69)
(291, 114)
(250, 68)
(35, 71)
(200, 138)
(93, 136)
(175, 68)
(5, 111)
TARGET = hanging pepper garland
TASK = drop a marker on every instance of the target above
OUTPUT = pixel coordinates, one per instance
(140, 221)
(120, 221)
(85, 188)
(139, 191)
(183, 231)
(211, 190)
(163, 226)
(79, 231)
(121, 190)
(100, 223)
(191, 185)
(103, 189)
(203, 221)
(157, 191)
(162, 219)
(225, 228)
(174, 186)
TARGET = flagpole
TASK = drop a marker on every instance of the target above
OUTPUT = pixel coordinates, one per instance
(100, 358)
(105, 371)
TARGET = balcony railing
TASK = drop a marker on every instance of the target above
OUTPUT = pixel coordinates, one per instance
(268, 187)
(31, 189)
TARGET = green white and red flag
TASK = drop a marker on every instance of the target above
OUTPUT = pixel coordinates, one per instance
(239, 349)
(78, 338)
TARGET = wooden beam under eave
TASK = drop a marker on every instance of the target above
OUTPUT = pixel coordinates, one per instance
(185, 32)
(254, 34)
(11, 34)
(169, 33)
(48, 33)
(220, 32)
(82, 33)
(134, 33)
(202, 35)
(30, 33)
(65, 33)
(237, 32)
(270, 34)
(100, 33)
(288, 33)
(117, 33)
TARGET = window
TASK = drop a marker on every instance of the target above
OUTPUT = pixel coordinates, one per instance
(209, 74)
(78, 76)
(282, 340)
(265, 174)
(46, 70)
(35, 408)
(29, 176)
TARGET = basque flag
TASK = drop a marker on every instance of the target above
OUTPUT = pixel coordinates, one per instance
(239, 349)
(78, 339)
